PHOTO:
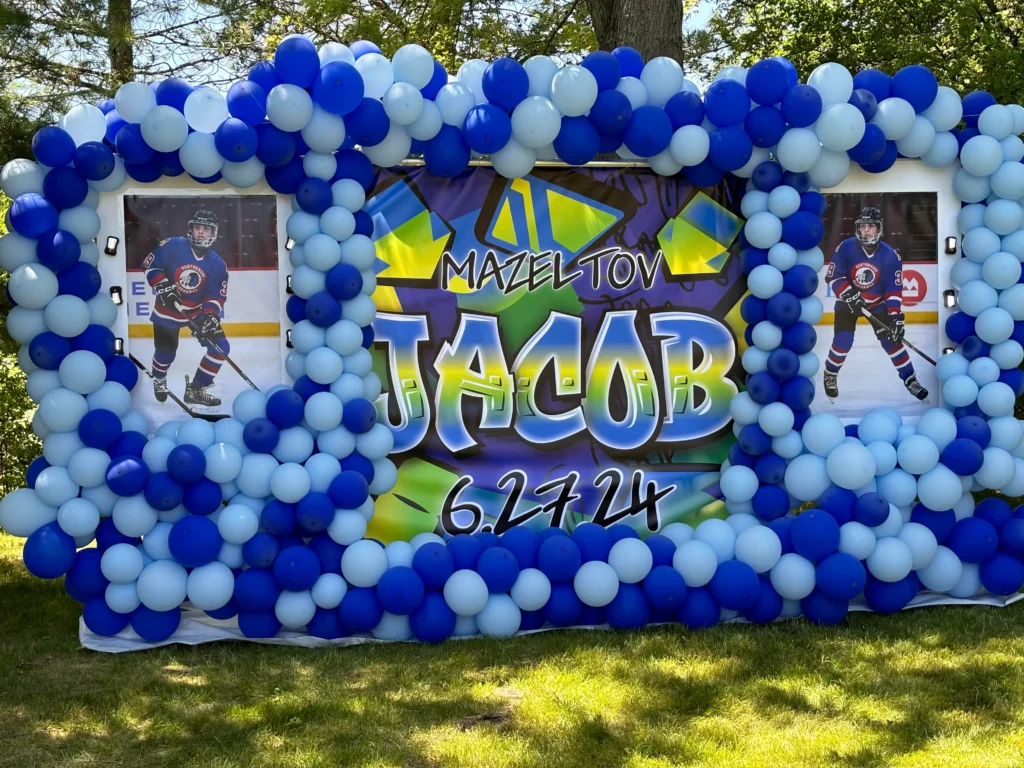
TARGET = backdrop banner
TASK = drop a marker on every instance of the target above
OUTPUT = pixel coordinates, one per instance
(557, 348)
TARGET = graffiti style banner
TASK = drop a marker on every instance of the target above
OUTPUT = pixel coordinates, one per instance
(557, 348)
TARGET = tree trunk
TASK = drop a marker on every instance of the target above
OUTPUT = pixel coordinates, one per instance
(119, 42)
(653, 27)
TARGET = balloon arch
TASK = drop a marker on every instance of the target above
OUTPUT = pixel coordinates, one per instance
(893, 509)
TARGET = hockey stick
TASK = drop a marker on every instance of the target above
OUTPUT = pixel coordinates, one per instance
(173, 396)
(215, 347)
(888, 329)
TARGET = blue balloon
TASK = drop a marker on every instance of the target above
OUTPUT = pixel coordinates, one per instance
(559, 558)
(260, 436)
(437, 81)
(754, 440)
(784, 308)
(465, 551)
(49, 552)
(997, 511)
(129, 444)
(127, 475)
(767, 81)
(169, 164)
(649, 131)
(563, 607)
(236, 140)
(95, 339)
(887, 597)
(1002, 575)
(338, 88)
(939, 523)
(768, 606)
(344, 282)
(362, 47)
(875, 81)
(765, 126)
(734, 585)
(767, 176)
(499, 569)
(1011, 537)
(865, 101)
(38, 465)
(368, 123)
(84, 579)
(770, 469)
(604, 67)
(433, 621)
(286, 178)
(803, 230)
(65, 187)
(114, 124)
(314, 512)
(434, 564)
(447, 154)
(683, 108)
(974, 103)
(256, 590)
(578, 141)
(799, 338)
(487, 128)
(359, 416)
(593, 541)
(94, 160)
(751, 258)
(203, 497)
(82, 280)
(917, 85)
(255, 624)
(264, 74)
(194, 541)
(628, 609)
(131, 146)
(752, 309)
(326, 623)
(274, 147)
(172, 92)
(972, 348)
(285, 408)
(247, 101)
(314, 195)
(815, 534)
(47, 350)
(327, 551)
(186, 464)
(973, 540)
(353, 164)
(798, 392)
(974, 428)
(783, 364)
(664, 588)
(348, 489)
(107, 535)
(162, 493)
(819, 609)
(295, 308)
(801, 182)
(53, 146)
(296, 61)
(400, 590)
(705, 174)
(359, 464)
(792, 76)
(700, 610)
(963, 456)
(505, 83)
(840, 577)
(731, 148)
(121, 370)
(838, 502)
(631, 63)
(360, 609)
(155, 626)
(296, 568)
(885, 162)
(323, 309)
(801, 106)
(737, 456)
(101, 619)
(959, 325)
(813, 202)
(726, 103)
(762, 388)
(278, 517)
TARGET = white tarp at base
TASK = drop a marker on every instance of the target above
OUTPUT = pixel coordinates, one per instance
(196, 628)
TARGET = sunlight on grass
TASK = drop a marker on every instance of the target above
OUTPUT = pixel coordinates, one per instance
(941, 686)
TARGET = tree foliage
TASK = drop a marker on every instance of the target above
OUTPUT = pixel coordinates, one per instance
(969, 44)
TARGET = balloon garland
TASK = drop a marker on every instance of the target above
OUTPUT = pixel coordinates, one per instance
(262, 516)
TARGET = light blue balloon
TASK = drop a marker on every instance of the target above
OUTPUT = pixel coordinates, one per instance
(811, 310)
(289, 483)
(323, 411)
(60, 447)
(61, 409)
(199, 155)
(885, 457)
(306, 337)
(938, 425)
(946, 111)
(344, 337)
(822, 433)
(376, 443)
(807, 477)
(981, 155)
(301, 226)
(996, 399)
(289, 107)
(765, 280)
(1014, 243)
(319, 165)
(500, 617)
(164, 128)
(895, 117)
(799, 150)
(385, 475)
(963, 271)
(16, 250)
(1008, 181)
(248, 405)
(919, 141)
(413, 64)
(294, 444)
(1007, 354)
(789, 445)
(337, 442)
(324, 365)
(970, 188)
(997, 469)
(338, 222)
(960, 391)
(66, 316)
(754, 360)
(766, 336)
(254, 477)
(1001, 270)
(951, 365)
(877, 425)
(197, 432)
(306, 281)
(321, 252)
(994, 325)
(364, 562)
(223, 462)
(359, 251)
(1003, 216)
(980, 243)
(917, 454)
(784, 201)
(1013, 149)
(1007, 432)
(996, 121)
(976, 297)
(82, 372)
(809, 364)
(295, 364)
(971, 216)
(850, 465)
(38, 384)
(324, 132)
(243, 175)
(898, 487)
(754, 201)
(841, 126)
(32, 286)
(54, 486)
(360, 310)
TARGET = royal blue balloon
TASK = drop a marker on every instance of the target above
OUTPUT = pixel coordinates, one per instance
(663, 549)
(433, 621)
(368, 123)
(871, 509)
(974, 428)
(264, 74)
(628, 609)
(783, 364)
(765, 126)
(939, 523)
(792, 76)
(705, 174)
(840, 576)
(559, 558)
(314, 512)
(801, 182)
(285, 408)
(348, 489)
(973, 540)
(887, 597)
(38, 465)
(362, 47)
(1011, 537)
(286, 178)
(162, 492)
(295, 308)
(338, 88)
(885, 162)
(875, 82)
(737, 456)
(359, 464)
(255, 624)
(65, 187)
(487, 128)
(314, 195)
(127, 476)
(505, 83)
(770, 469)
(343, 282)
(700, 610)
(578, 141)
(437, 81)
(594, 542)
(94, 160)
(767, 175)
(274, 147)
(172, 92)
(649, 131)
(751, 258)
(726, 103)
(563, 608)
(81, 279)
(734, 585)
(499, 569)
(53, 146)
(260, 436)
(296, 61)
(114, 124)
(959, 325)
(278, 517)
(631, 63)
(799, 338)
(838, 502)
(1002, 575)
(664, 588)
(155, 626)
(324, 310)
(360, 609)
(465, 551)
(434, 564)
(353, 164)
(368, 336)
(762, 388)
(803, 230)
(783, 527)
(447, 154)
(972, 348)
(203, 497)
(815, 534)
(306, 387)
(865, 101)
(296, 568)
(107, 535)
(400, 590)
(963, 456)
(131, 146)
(917, 85)
(814, 203)
(683, 108)
(236, 140)
(186, 464)
(820, 609)
(256, 590)
(101, 619)
(146, 172)
(169, 163)
(47, 350)
(194, 541)
(995, 510)
(801, 106)
(752, 309)
(768, 606)
(247, 101)
(767, 81)
(129, 444)
(84, 579)
(754, 440)
(49, 552)
(974, 103)
(731, 148)
(604, 67)
(618, 532)
(783, 309)
(359, 415)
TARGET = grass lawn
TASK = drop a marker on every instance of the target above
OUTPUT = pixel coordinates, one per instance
(939, 686)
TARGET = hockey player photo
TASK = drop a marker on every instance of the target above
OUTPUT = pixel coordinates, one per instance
(873, 355)
(206, 292)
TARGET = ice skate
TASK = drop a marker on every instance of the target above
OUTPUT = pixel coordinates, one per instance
(914, 387)
(832, 386)
(196, 395)
(160, 389)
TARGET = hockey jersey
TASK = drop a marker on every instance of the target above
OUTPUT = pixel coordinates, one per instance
(878, 276)
(202, 281)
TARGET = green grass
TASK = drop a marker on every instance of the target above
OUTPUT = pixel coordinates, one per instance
(940, 686)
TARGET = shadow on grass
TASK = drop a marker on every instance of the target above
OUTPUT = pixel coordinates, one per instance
(865, 693)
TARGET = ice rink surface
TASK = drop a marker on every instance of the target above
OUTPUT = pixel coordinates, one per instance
(869, 380)
(258, 356)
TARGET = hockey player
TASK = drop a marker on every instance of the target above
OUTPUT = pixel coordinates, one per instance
(867, 274)
(191, 285)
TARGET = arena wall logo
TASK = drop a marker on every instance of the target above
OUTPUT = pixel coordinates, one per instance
(288, 520)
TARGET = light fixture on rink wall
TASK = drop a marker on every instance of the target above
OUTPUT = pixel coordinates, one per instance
(111, 247)
(116, 295)
(951, 246)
